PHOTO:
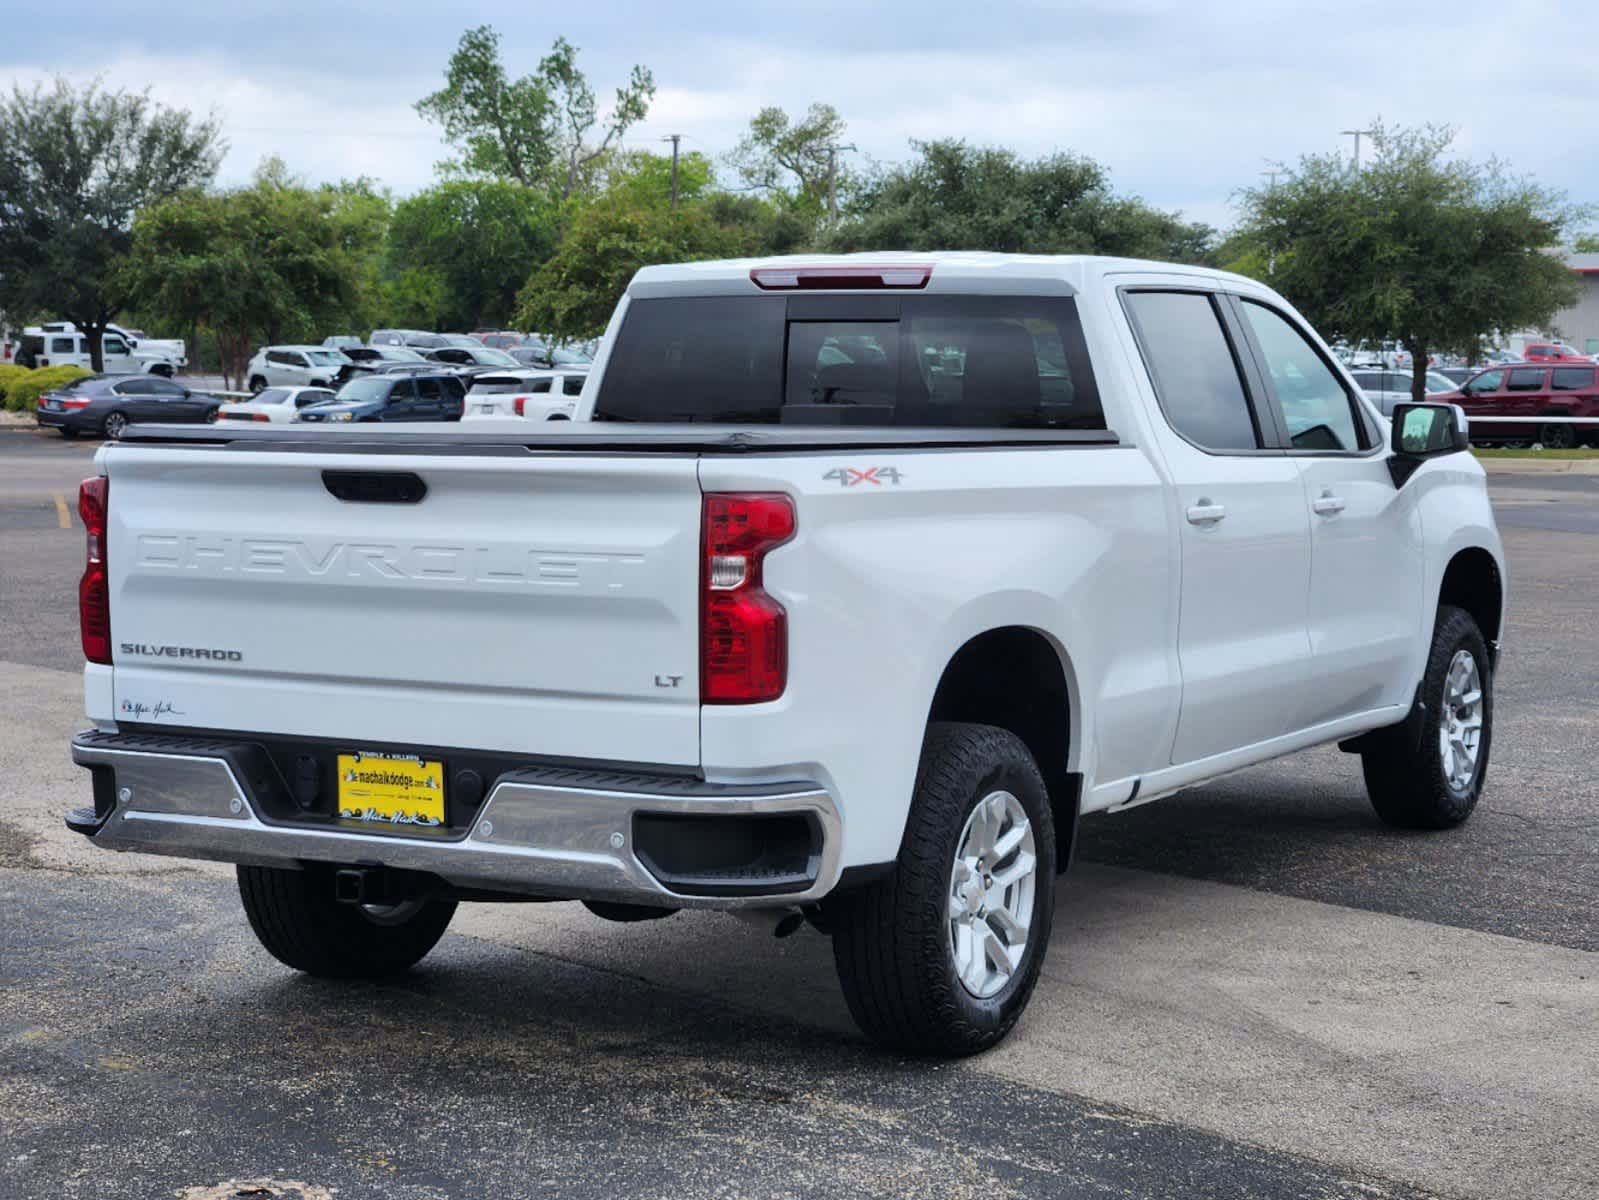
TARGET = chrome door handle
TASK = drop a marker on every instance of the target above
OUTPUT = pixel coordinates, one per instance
(1328, 505)
(1205, 513)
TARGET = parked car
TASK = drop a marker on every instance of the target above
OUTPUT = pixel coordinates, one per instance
(364, 359)
(407, 396)
(59, 344)
(535, 395)
(1458, 375)
(1545, 352)
(500, 340)
(276, 404)
(830, 661)
(403, 337)
(1530, 395)
(294, 366)
(472, 356)
(538, 354)
(1388, 388)
(108, 404)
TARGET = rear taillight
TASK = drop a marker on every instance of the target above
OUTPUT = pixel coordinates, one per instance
(94, 589)
(519, 405)
(64, 402)
(743, 631)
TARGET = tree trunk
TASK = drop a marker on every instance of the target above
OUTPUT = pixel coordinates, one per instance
(1418, 371)
(94, 333)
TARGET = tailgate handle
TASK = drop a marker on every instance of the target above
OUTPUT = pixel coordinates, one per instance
(376, 487)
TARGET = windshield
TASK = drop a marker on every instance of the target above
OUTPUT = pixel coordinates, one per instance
(460, 339)
(567, 358)
(1439, 383)
(496, 358)
(364, 391)
(326, 356)
(272, 396)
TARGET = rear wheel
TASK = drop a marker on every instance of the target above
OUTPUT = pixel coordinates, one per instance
(210, 416)
(1557, 437)
(1428, 772)
(295, 916)
(941, 955)
(115, 426)
(163, 370)
(257, 385)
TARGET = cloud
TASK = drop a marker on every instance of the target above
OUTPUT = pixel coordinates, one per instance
(1184, 104)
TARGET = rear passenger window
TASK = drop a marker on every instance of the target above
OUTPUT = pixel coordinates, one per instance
(1571, 379)
(572, 385)
(63, 345)
(1316, 409)
(1193, 369)
(1524, 380)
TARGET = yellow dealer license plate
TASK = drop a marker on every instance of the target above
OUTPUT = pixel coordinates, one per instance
(391, 789)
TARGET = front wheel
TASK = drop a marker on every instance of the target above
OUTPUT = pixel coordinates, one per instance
(1428, 772)
(209, 416)
(295, 916)
(940, 956)
(257, 384)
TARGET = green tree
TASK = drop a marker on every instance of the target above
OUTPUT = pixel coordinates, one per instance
(271, 262)
(480, 239)
(573, 294)
(538, 129)
(954, 196)
(1415, 246)
(793, 161)
(75, 166)
(644, 178)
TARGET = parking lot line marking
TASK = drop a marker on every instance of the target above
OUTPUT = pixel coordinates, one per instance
(63, 513)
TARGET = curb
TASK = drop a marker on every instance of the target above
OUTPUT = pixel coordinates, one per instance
(1540, 466)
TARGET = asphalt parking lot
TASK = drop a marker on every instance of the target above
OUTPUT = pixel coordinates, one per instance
(1255, 990)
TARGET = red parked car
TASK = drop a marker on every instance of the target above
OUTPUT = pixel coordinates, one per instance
(1549, 352)
(1566, 389)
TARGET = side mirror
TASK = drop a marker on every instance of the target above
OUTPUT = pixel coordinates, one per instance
(1423, 431)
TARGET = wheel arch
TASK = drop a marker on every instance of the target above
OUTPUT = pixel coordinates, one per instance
(1472, 581)
(1018, 678)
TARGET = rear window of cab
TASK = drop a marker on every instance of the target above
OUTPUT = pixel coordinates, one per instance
(966, 361)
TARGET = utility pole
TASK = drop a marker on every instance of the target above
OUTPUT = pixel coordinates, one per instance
(832, 180)
(1273, 169)
(1357, 134)
(674, 138)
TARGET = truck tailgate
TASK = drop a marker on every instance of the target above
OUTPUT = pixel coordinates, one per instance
(537, 603)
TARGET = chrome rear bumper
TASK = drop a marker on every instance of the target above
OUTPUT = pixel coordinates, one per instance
(546, 832)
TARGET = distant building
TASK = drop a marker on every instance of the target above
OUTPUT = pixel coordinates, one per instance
(1579, 324)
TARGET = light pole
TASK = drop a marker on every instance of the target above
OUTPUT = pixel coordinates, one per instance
(832, 180)
(1273, 169)
(674, 138)
(1357, 134)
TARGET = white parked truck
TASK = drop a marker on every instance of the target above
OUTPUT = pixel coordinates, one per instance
(856, 582)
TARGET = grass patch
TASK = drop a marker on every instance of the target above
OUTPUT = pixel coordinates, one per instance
(1526, 452)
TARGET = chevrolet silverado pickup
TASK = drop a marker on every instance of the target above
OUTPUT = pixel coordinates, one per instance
(854, 584)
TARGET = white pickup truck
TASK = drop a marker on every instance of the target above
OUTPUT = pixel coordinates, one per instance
(856, 582)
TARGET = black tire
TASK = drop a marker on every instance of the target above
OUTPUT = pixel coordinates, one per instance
(892, 940)
(1404, 766)
(296, 918)
(113, 426)
(257, 384)
(162, 370)
(209, 416)
(1558, 437)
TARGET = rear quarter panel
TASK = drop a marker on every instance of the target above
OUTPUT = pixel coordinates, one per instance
(885, 581)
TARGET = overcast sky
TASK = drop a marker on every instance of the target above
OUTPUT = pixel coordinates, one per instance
(1182, 101)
